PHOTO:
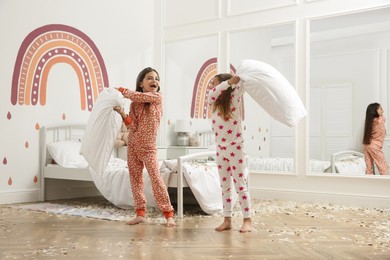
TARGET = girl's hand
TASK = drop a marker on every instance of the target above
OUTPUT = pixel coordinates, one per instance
(117, 109)
(120, 111)
(234, 80)
(120, 89)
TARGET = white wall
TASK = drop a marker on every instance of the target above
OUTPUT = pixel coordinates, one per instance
(358, 61)
(183, 59)
(130, 40)
(124, 33)
(236, 16)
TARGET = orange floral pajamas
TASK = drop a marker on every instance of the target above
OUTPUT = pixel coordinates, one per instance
(146, 113)
(373, 152)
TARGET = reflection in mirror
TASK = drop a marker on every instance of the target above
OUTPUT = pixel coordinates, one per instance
(184, 89)
(269, 144)
(349, 59)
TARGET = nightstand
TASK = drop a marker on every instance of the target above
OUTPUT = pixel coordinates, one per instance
(174, 152)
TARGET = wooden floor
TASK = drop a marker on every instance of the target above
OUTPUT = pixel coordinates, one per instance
(315, 233)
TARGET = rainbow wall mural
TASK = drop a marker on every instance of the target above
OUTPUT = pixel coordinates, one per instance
(51, 44)
(199, 106)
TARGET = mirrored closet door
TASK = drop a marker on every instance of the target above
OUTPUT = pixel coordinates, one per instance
(269, 144)
(349, 69)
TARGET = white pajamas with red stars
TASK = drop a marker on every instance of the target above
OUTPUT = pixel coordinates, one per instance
(230, 154)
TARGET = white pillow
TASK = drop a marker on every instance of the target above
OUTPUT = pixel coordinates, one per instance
(67, 154)
(272, 91)
(171, 164)
(104, 125)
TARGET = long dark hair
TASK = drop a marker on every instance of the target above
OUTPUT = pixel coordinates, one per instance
(371, 113)
(223, 101)
(141, 77)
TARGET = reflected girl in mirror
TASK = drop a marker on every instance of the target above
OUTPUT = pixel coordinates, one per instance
(374, 136)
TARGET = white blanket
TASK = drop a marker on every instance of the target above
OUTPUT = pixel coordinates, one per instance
(203, 180)
(115, 183)
(111, 175)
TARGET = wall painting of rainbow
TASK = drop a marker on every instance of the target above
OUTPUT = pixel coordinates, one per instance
(199, 106)
(51, 44)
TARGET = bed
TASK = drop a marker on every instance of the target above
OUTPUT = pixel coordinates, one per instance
(60, 159)
(59, 154)
(348, 163)
(185, 166)
(66, 134)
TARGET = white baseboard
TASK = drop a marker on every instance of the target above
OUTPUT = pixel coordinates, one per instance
(18, 196)
(355, 200)
(85, 189)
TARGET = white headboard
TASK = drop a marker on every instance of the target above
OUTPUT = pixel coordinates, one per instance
(343, 154)
(57, 133)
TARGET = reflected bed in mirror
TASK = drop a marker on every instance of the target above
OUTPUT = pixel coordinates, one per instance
(349, 57)
(341, 163)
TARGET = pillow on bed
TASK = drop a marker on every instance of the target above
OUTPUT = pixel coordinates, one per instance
(67, 154)
(351, 166)
(171, 164)
(272, 91)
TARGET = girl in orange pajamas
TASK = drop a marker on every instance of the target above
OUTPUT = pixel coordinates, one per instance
(143, 122)
(374, 136)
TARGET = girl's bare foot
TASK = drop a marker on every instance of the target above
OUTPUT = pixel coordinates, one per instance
(170, 222)
(136, 220)
(246, 226)
(226, 225)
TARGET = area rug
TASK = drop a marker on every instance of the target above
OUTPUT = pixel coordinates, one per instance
(95, 207)
(91, 208)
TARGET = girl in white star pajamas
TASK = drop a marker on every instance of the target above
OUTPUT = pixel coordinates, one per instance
(225, 100)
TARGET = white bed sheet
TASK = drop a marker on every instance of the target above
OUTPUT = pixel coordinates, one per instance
(351, 166)
(283, 165)
(347, 166)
